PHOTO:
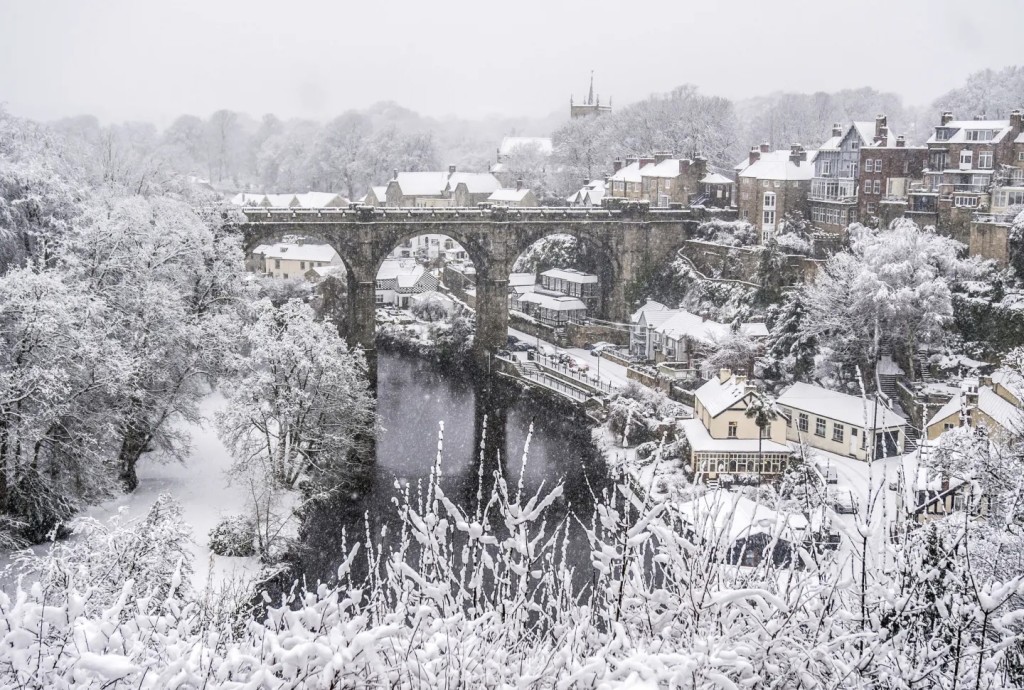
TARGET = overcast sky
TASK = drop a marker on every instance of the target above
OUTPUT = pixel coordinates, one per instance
(134, 59)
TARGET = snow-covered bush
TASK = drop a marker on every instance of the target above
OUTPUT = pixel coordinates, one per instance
(234, 535)
(639, 415)
(734, 233)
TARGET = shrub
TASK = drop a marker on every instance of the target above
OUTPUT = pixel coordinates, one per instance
(234, 535)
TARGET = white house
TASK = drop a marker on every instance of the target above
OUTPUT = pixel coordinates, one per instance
(839, 423)
(518, 285)
(724, 440)
(676, 335)
(568, 281)
(293, 260)
(590, 194)
(398, 280)
(553, 310)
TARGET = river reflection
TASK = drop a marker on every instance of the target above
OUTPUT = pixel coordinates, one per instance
(413, 397)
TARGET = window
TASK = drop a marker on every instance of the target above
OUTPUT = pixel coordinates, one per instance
(853, 432)
(302, 265)
(965, 158)
(979, 134)
(872, 208)
(732, 429)
(801, 422)
(1020, 156)
(778, 184)
(819, 427)
(878, 165)
(855, 145)
(277, 263)
(379, 298)
(788, 414)
(1009, 197)
(985, 159)
(867, 186)
(769, 200)
(764, 183)
(947, 426)
(878, 186)
(965, 201)
(285, 276)
(837, 432)
(869, 165)
(826, 168)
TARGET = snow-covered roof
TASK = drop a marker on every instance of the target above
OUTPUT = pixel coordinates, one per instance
(722, 513)
(520, 279)
(394, 268)
(320, 200)
(247, 199)
(627, 173)
(649, 306)
(866, 131)
(1000, 129)
(330, 269)
(298, 252)
(509, 194)
(776, 165)
(1002, 411)
(717, 396)
(571, 275)
(421, 183)
(476, 183)
(950, 408)
(666, 168)
(715, 178)
(553, 302)
(510, 144)
(686, 324)
(1011, 381)
(841, 407)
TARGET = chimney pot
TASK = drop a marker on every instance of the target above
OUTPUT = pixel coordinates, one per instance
(519, 184)
(451, 169)
(901, 141)
(765, 147)
(947, 117)
(395, 174)
(586, 181)
(837, 130)
(754, 156)
(616, 165)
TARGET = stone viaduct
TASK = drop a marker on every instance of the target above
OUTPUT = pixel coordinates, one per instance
(626, 241)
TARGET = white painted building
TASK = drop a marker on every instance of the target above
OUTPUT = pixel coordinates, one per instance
(399, 279)
(293, 260)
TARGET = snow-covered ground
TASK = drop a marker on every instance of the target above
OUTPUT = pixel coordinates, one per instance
(200, 486)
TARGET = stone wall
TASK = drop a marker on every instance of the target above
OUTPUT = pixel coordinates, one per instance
(578, 335)
(990, 241)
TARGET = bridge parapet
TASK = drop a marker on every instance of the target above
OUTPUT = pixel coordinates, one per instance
(377, 214)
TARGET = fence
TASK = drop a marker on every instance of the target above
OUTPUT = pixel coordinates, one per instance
(556, 366)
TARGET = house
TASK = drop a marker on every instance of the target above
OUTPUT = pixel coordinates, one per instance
(995, 402)
(552, 309)
(517, 196)
(292, 260)
(676, 335)
(518, 285)
(724, 440)
(744, 530)
(429, 248)
(569, 281)
(925, 494)
(833, 194)
(661, 179)
(888, 169)
(439, 189)
(377, 196)
(973, 168)
(772, 184)
(836, 422)
(590, 194)
(460, 279)
(398, 280)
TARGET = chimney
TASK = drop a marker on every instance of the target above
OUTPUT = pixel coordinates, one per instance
(901, 141)
(947, 117)
(755, 155)
(765, 147)
(880, 126)
(741, 380)
(797, 154)
(1015, 121)
(630, 160)
(451, 170)
(395, 176)
(519, 184)
(645, 161)
(586, 181)
(661, 156)
(837, 130)
(724, 374)
(700, 166)
(616, 165)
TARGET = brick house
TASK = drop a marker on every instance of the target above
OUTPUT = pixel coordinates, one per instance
(837, 173)
(772, 184)
(972, 166)
(660, 180)
(888, 169)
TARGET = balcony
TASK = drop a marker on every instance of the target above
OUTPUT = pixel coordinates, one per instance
(842, 189)
(995, 218)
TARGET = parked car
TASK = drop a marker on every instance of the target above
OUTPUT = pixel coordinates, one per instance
(600, 347)
(843, 502)
(827, 471)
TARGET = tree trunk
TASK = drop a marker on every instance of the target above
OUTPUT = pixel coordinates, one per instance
(133, 445)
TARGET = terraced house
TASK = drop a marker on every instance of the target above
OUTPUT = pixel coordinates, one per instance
(772, 184)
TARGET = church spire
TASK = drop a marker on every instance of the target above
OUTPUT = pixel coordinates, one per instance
(590, 96)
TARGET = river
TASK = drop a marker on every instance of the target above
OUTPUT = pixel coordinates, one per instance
(413, 397)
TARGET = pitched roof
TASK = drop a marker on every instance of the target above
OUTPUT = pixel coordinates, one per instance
(627, 173)
(476, 183)
(683, 323)
(715, 178)
(393, 268)
(952, 407)
(571, 275)
(722, 513)
(649, 306)
(775, 165)
(520, 279)
(320, 200)
(1000, 127)
(841, 407)
(702, 441)
(509, 194)
(1004, 413)
(717, 396)
(420, 183)
(1011, 381)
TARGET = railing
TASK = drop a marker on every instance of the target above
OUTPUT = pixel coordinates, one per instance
(547, 381)
(554, 365)
(1000, 218)
(258, 214)
(970, 188)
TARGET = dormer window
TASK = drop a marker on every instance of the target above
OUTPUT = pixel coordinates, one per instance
(979, 135)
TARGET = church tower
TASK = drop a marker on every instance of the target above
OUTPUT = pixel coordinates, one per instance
(590, 106)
